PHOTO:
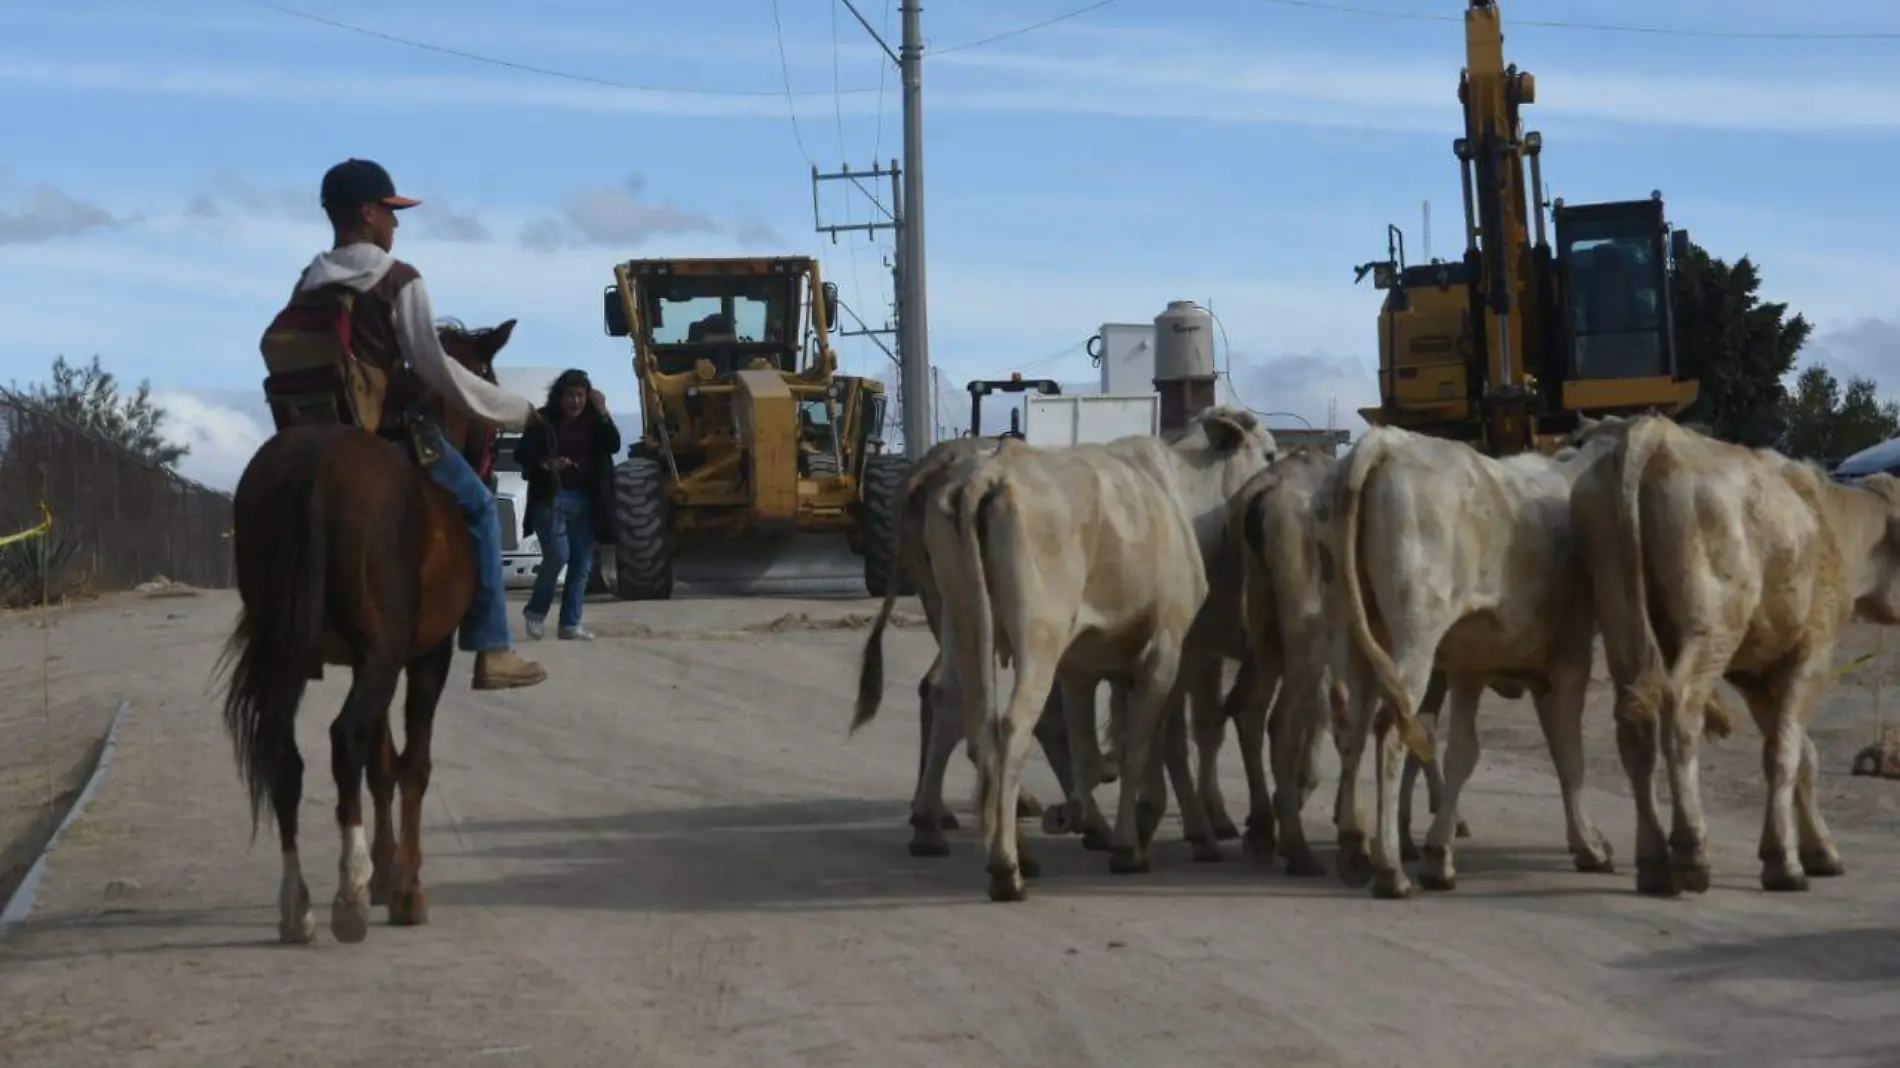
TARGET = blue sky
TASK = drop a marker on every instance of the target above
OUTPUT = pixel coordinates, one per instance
(160, 166)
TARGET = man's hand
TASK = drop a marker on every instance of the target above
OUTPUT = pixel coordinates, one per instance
(600, 401)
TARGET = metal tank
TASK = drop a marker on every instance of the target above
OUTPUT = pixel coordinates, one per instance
(1184, 362)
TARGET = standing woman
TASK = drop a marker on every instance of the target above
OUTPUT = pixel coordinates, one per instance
(569, 464)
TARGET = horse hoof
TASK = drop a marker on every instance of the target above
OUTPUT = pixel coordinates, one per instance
(1408, 851)
(1391, 885)
(1126, 862)
(1590, 862)
(409, 910)
(1097, 841)
(1820, 865)
(349, 921)
(948, 822)
(1259, 848)
(1225, 831)
(1654, 879)
(300, 931)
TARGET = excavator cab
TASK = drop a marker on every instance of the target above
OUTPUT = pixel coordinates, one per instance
(1616, 326)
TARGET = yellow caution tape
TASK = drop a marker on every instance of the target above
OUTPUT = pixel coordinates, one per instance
(46, 524)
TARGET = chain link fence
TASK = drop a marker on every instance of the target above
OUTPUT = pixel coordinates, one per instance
(117, 520)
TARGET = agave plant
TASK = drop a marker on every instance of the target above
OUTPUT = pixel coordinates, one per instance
(38, 568)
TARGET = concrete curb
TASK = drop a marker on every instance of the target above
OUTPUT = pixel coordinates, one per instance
(21, 903)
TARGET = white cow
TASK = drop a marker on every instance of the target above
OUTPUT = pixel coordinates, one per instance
(1081, 564)
(1446, 557)
(1714, 561)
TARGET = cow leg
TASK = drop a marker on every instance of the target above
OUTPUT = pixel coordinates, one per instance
(1699, 664)
(1084, 817)
(1195, 825)
(1148, 699)
(1560, 713)
(1636, 743)
(929, 814)
(1004, 756)
(1437, 870)
(1434, 777)
(1297, 718)
(926, 729)
(1249, 707)
(1117, 729)
(1389, 881)
(1208, 715)
(1350, 703)
(1820, 858)
(1781, 709)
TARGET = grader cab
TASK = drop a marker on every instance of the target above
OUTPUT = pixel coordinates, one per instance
(749, 432)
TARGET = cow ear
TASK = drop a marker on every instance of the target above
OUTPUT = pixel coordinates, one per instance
(1225, 433)
(1584, 422)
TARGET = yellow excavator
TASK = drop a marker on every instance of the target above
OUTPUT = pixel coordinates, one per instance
(1507, 346)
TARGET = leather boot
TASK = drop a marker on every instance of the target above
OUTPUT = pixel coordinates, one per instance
(505, 670)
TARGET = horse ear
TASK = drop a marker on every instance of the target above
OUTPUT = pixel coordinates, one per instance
(500, 337)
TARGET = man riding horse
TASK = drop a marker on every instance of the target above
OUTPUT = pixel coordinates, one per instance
(392, 327)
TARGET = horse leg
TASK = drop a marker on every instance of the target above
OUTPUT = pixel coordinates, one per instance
(382, 794)
(294, 922)
(409, 905)
(352, 734)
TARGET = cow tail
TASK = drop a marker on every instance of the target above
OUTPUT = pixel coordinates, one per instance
(973, 501)
(1641, 700)
(1349, 489)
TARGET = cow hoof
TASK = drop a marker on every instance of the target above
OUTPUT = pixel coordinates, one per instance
(1147, 820)
(1778, 878)
(1031, 869)
(1655, 879)
(1820, 864)
(300, 930)
(1006, 884)
(1464, 829)
(349, 920)
(1589, 861)
(948, 822)
(1353, 865)
(1391, 885)
(409, 910)
(1692, 875)
(1206, 852)
(1435, 870)
(923, 844)
(1028, 806)
(1127, 862)
(1260, 848)
(1096, 840)
(1224, 829)
(1304, 863)
(1408, 850)
(1060, 819)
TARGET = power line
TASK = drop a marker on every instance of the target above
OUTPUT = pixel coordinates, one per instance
(785, 71)
(1020, 30)
(1598, 27)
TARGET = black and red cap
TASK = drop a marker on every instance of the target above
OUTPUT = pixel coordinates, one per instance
(355, 182)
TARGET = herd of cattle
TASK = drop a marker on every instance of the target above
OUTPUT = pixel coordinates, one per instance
(1357, 595)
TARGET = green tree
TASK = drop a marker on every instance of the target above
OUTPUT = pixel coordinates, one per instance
(1829, 424)
(1739, 348)
(89, 397)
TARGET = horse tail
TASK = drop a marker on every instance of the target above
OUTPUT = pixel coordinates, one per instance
(274, 645)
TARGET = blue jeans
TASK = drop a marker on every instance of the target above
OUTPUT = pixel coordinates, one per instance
(566, 530)
(485, 627)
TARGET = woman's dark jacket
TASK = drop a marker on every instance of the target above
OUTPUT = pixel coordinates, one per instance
(538, 443)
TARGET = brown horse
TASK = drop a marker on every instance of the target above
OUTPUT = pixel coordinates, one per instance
(349, 554)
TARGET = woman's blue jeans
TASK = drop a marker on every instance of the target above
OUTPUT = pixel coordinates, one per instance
(566, 531)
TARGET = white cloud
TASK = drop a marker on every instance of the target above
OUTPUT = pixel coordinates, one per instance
(221, 437)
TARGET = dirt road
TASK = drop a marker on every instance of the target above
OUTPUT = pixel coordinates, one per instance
(671, 855)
